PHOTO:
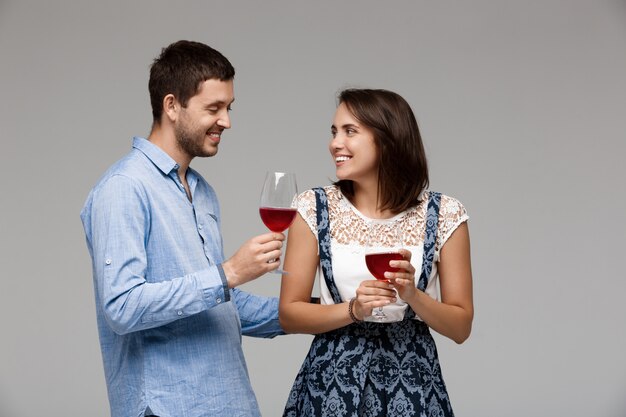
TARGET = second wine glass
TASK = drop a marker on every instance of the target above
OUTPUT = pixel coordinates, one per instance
(278, 202)
(377, 260)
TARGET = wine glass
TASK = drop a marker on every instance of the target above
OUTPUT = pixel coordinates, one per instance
(278, 202)
(377, 259)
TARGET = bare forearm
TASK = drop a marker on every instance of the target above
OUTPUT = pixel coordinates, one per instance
(452, 321)
(304, 317)
(452, 317)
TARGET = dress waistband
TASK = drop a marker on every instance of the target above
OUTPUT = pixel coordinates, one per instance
(375, 330)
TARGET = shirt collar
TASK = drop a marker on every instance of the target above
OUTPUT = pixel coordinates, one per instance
(155, 154)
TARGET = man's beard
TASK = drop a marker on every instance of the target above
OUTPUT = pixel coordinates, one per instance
(191, 142)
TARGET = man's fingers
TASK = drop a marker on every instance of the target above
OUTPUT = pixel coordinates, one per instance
(273, 255)
(269, 237)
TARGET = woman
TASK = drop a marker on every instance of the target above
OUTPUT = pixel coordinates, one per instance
(360, 364)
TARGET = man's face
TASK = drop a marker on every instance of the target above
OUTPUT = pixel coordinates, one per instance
(199, 128)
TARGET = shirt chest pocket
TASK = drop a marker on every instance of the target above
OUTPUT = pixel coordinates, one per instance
(209, 231)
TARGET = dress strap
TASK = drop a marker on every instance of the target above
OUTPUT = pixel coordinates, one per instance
(430, 237)
(323, 239)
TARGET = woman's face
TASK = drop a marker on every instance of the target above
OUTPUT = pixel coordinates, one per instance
(353, 148)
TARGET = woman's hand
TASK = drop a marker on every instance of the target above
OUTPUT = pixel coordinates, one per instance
(403, 280)
(371, 294)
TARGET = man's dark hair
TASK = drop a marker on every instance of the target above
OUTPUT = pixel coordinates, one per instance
(180, 69)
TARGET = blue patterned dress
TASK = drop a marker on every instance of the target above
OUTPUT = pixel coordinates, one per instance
(371, 369)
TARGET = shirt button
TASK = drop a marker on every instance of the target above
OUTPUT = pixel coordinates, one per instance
(219, 300)
(200, 226)
(180, 313)
(108, 262)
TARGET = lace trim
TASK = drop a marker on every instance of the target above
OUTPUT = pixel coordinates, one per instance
(349, 227)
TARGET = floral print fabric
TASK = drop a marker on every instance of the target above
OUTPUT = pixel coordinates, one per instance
(371, 369)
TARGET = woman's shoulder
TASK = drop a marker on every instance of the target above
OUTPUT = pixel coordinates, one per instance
(332, 193)
(447, 204)
(452, 214)
(307, 204)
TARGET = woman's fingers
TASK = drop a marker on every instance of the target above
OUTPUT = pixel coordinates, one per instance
(403, 281)
(370, 299)
(375, 293)
(404, 266)
(405, 274)
(406, 254)
(375, 287)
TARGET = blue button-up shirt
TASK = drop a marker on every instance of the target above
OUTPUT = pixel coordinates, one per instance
(170, 329)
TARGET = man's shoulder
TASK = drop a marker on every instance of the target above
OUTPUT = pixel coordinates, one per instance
(133, 165)
(130, 174)
(121, 177)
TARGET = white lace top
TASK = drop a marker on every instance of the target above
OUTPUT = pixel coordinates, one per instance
(352, 235)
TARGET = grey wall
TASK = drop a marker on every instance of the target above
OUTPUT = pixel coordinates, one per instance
(522, 106)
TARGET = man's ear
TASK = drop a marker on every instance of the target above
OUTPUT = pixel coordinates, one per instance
(171, 107)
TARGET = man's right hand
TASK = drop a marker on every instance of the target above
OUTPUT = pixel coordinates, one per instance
(253, 258)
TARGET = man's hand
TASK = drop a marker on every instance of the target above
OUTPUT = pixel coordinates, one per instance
(257, 256)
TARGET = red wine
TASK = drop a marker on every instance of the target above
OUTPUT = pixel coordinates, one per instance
(378, 263)
(277, 219)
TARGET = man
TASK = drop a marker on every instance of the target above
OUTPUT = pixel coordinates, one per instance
(169, 316)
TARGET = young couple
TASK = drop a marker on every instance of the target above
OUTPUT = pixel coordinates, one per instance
(170, 315)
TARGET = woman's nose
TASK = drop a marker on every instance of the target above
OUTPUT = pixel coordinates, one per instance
(336, 142)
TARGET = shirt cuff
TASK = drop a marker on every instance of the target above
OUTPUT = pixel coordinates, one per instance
(214, 285)
(224, 282)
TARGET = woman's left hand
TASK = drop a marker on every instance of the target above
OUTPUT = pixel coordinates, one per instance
(403, 280)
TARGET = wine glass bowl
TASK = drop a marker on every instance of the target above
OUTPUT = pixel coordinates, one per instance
(278, 206)
(378, 263)
(277, 219)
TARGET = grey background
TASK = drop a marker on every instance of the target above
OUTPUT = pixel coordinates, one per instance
(522, 106)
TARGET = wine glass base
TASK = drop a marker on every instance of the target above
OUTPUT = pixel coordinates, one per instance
(378, 314)
(276, 271)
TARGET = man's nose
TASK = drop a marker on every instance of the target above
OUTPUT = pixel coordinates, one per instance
(224, 120)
